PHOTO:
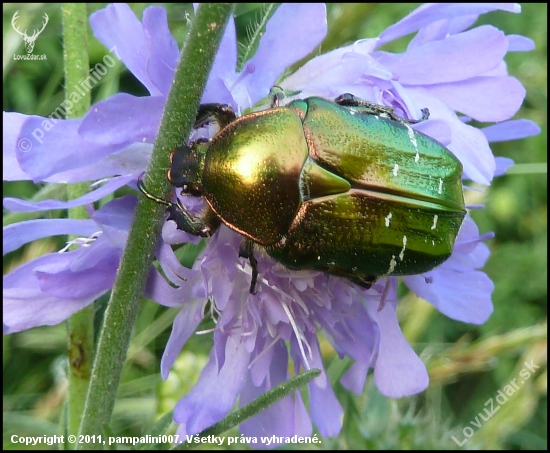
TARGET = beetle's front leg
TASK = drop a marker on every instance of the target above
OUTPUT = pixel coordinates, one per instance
(349, 100)
(246, 250)
(203, 227)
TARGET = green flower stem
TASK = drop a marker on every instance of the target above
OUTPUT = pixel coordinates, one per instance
(179, 115)
(255, 407)
(80, 326)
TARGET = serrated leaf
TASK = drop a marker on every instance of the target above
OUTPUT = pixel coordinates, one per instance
(254, 34)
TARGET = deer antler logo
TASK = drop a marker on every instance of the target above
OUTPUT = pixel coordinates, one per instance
(29, 40)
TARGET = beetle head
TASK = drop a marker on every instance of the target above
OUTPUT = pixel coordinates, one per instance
(186, 165)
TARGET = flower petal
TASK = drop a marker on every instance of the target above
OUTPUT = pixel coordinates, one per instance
(113, 26)
(459, 57)
(15, 204)
(398, 371)
(511, 130)
(223, 69)
(326, 411)
(163, 49)
(215, 392)
(56, 146)
(354, 379)
(464, 296)
(503, 164)
(288, 416)
(123, 119)
(131, 161)
(12, 122)
(183, 327)
(487, 99)
(292, 33)
(431, 13)
(518, 43)
(18, 234)
(28, 301)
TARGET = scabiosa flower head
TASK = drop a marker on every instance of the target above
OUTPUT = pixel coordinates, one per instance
(447, 68)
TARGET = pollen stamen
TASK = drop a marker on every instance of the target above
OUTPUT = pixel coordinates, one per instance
(299, 336)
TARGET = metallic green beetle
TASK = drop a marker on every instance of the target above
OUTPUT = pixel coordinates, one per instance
(344, 187)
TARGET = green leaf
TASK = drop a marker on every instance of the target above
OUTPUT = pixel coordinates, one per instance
(254, 34)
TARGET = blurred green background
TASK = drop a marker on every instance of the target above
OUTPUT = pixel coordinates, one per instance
(468, 364)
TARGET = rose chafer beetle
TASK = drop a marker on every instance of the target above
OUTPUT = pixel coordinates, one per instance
(344, 187)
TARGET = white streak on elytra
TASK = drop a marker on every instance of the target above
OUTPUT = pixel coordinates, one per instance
(395, 169)
(387, 219)
(433, 242)
(412, 138)
(393, 263)
(435, 222)
(402, 252)
(440, 188)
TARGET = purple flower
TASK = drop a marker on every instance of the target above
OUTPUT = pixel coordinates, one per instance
(447, 68)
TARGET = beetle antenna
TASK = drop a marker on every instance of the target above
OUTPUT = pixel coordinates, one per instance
(143, 190)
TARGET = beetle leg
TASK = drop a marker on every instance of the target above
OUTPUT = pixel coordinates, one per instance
(184, 220)
(246, 250)
(205, 227)
(349, 100)
(223, 114)
(364, 282)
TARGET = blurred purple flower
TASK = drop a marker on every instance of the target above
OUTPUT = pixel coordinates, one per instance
(446, 68)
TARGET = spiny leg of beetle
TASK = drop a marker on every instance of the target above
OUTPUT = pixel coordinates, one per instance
(349, 100)
(185, 222)
(246, 250)
(223, 114)
(204, 227)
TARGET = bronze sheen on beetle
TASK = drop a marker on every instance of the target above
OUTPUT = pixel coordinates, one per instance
(344, 187)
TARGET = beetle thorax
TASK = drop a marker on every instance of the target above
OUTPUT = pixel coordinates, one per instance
(252, 171)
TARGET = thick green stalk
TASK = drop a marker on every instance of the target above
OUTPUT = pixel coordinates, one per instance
(190, 79)
(80, 326)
